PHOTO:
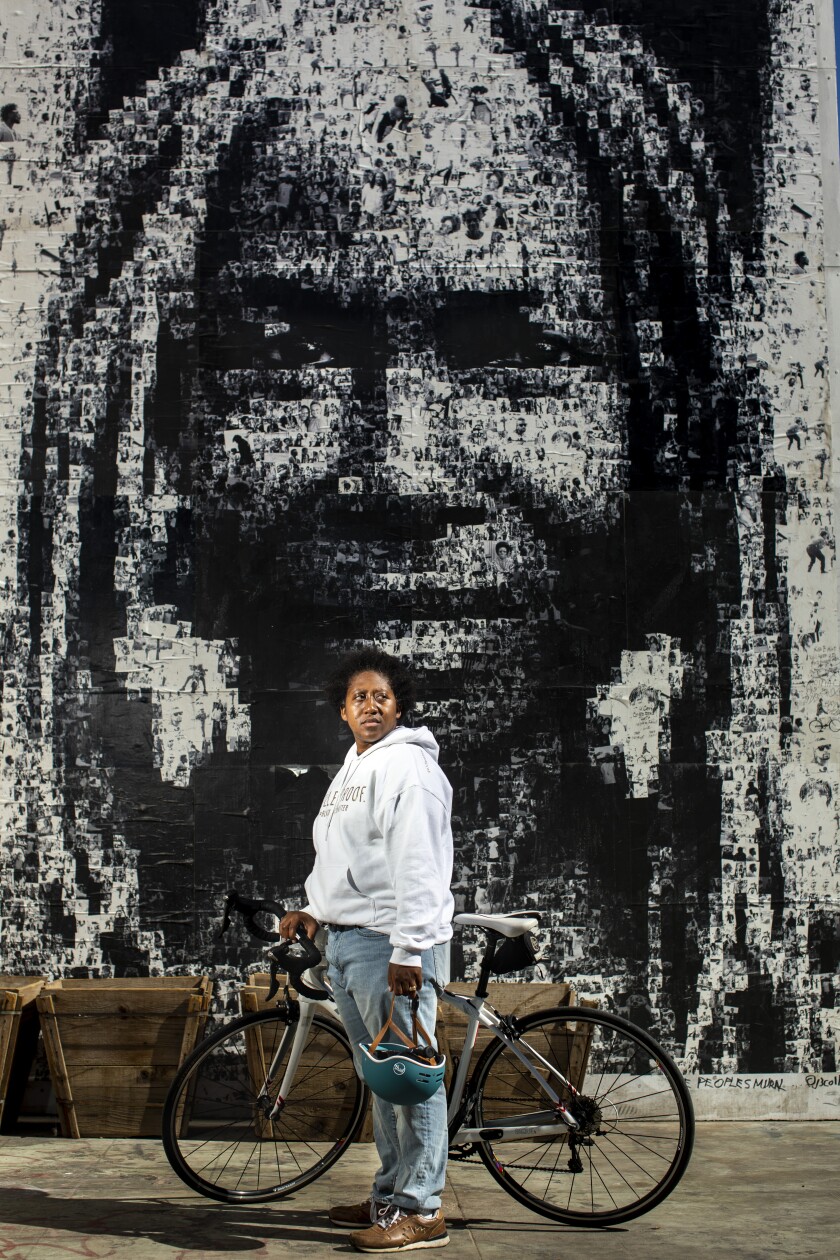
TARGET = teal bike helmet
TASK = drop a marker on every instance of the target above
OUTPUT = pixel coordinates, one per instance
(402, 1072)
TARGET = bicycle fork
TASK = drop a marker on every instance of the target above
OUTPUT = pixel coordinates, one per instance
(300, 1014)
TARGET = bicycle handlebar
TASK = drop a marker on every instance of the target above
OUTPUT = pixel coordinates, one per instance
(249, 908)
(295, 965)
(307, 954)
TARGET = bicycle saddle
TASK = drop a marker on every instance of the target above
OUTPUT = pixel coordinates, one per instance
(515, 924)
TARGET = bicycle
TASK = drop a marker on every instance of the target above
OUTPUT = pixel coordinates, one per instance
(574, 1111)
(828, 723)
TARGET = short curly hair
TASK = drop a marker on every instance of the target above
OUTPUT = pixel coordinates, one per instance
(370, 658)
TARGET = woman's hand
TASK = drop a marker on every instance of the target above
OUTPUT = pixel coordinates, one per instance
(404, 981)
(290, 923)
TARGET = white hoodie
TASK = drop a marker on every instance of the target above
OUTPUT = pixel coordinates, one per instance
(383, 845)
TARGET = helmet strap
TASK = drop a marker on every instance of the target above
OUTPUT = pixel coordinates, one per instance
(416, 1022)
(416, 1025)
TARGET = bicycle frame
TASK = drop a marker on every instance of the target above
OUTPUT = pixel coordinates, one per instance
(479, 1013)
(554, 1121)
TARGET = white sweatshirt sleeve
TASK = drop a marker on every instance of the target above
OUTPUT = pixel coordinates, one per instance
(418, 851)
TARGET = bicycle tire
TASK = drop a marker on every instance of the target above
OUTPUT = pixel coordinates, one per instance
(616, 1173)
(216, 1133)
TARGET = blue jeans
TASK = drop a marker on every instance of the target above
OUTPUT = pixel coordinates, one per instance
(412, 1142)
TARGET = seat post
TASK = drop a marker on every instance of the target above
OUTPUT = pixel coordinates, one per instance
(493, 939)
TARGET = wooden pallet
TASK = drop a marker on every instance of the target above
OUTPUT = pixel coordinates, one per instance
(113, 1047)
(18, 1037)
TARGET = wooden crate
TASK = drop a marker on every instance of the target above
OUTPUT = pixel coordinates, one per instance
(504, 996)
(253, 997)
(510, 1089)
(113, 1047)
(18, 1037)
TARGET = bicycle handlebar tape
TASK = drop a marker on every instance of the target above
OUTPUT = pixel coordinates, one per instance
(249, 909)
(295, 964)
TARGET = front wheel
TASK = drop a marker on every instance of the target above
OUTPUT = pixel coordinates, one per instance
(634, 1112)
(218, 1131)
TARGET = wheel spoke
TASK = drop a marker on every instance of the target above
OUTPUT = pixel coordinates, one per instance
(597, 1172)
(616, 1089)
(230, 1147)
(603, 1172)
(520, 1161)
(656, 1154)
(553, 1171)
(217, 1131)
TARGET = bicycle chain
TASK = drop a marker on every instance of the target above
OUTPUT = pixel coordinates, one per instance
(474, 1159)
(465, 1159)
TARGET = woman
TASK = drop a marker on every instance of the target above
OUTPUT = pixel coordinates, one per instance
(373, 194)
(380, 887)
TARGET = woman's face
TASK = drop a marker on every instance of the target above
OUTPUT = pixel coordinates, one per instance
(370, 708)
(319, 305)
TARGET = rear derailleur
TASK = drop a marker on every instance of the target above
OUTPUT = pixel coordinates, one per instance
(588, 1115)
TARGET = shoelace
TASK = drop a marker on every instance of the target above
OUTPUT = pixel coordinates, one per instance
(387, 1216)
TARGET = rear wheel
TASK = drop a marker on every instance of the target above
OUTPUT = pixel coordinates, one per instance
(217, 1130)
(636, 1122)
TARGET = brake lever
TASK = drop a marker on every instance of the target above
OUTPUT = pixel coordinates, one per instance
(274, 982)
(295, 966)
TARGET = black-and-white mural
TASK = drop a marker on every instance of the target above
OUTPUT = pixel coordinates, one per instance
(493, 333)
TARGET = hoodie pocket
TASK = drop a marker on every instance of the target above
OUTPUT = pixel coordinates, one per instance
(351, 881)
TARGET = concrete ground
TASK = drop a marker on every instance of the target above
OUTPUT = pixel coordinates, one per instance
(751, 1190)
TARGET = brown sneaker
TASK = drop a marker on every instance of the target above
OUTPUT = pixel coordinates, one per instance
(359, 1215)
(405, 1233)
